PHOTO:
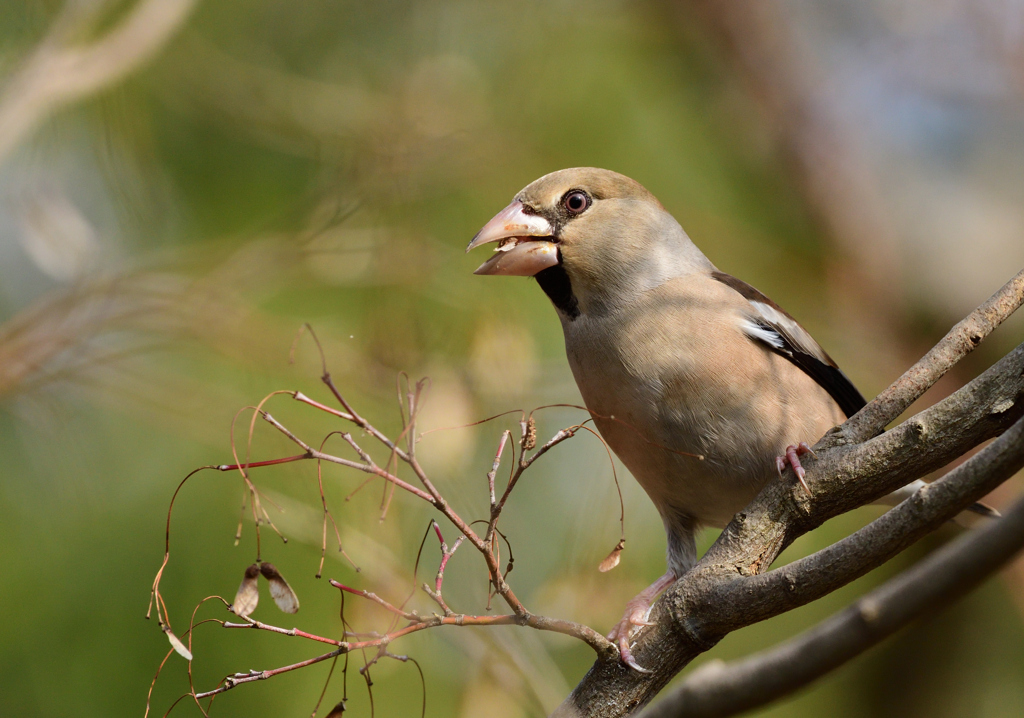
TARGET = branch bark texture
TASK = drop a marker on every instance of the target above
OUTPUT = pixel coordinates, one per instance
(718, 689)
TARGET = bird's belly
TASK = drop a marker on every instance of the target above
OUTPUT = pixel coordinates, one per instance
(697, 447)
(694, 464)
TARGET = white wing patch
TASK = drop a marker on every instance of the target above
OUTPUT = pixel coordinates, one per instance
(757, 331)
(787, 331)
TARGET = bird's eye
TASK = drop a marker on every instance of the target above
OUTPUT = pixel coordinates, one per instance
(576, 201)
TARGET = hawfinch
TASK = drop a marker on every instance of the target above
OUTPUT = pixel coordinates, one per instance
(704, 387)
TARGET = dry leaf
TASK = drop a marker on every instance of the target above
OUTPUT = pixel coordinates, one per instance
(177, 645)
(612, 559)
(248, 592)
(280, 591)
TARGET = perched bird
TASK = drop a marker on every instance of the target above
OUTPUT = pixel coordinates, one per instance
(703, 387)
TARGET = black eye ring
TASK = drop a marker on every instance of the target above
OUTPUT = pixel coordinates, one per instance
(576, 201)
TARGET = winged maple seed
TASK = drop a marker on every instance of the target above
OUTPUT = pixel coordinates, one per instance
(248, 595)
(177, 645)
(280, 591)
(612, 560)
(248, 592)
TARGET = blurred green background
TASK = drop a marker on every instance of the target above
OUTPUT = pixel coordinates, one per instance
(183, 184)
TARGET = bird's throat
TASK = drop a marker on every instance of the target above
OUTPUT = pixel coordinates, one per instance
(555, 283)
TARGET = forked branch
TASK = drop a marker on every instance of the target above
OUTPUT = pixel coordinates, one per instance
(403, 622)
(719, 689)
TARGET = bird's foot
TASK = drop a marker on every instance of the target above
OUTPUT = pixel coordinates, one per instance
(638, 610)
(635, 617)
(792, 457)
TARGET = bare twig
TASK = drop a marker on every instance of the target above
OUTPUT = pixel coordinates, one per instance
(446, 554)
(414, 622)
(525, 462)
(417, 624)
(252, 623)
(408, 616)
(505, 436)
(434, 496)
(238, 679)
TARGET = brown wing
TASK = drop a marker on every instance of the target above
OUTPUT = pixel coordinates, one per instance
(771, 325)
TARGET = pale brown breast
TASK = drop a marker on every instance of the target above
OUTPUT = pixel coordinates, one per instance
(672, 376)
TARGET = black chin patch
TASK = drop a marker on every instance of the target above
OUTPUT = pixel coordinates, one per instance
(555, 283)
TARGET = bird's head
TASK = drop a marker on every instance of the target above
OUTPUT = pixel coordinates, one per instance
(591, 237)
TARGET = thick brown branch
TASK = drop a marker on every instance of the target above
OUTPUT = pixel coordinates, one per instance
(817, 575)
(958, 343)
(723, 690)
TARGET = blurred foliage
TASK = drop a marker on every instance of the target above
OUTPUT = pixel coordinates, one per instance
(275, 163)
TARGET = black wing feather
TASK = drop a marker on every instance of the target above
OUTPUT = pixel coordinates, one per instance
(829, 376)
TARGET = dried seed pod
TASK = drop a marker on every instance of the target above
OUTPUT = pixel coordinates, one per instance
(530, 437)
(612, 559)
(280, 591)
(337, 710)
(248, 592)
(177, 645)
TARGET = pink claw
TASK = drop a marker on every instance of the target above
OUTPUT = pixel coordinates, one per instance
(792, 457)
(635, 616)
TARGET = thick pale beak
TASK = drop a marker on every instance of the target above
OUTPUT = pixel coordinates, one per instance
(525, 244)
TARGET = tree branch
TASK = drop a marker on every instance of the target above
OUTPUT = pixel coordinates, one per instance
(808, 579)
(725, 582)
(729, 587)
(722, 690)
(958, 343)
